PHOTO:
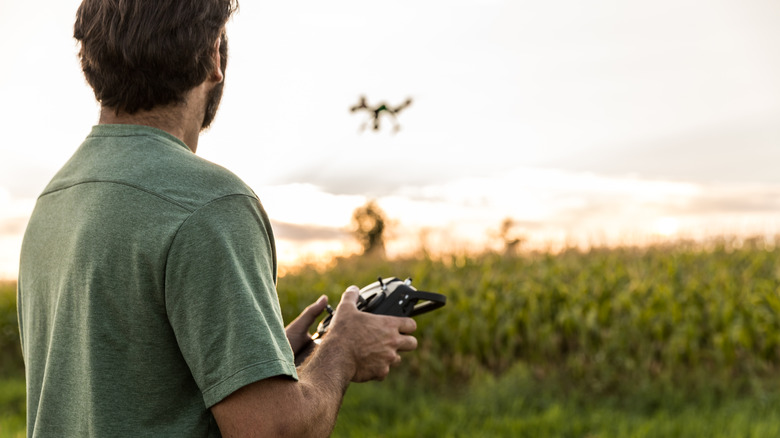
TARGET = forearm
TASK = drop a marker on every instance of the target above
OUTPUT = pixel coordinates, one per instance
(280, 407)
(323, 380)
(303, 353)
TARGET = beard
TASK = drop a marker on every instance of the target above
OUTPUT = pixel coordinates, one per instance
(212, 105)
(215, 95)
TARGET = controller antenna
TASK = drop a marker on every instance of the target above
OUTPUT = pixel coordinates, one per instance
(382, 284)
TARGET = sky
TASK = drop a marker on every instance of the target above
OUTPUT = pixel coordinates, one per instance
(593, 122)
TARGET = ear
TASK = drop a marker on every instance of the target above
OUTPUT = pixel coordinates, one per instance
(217, 75)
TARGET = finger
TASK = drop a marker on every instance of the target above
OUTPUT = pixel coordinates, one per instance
(407, 343)
(407, 325)
(350, 297)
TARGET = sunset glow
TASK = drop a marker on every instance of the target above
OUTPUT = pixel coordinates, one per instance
(585, 123)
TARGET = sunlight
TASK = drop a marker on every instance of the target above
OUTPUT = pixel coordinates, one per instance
(667, 226)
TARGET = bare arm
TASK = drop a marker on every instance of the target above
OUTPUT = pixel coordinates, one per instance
(359, 347)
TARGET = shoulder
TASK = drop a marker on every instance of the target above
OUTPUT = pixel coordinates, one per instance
(150, 160)
(207, 181)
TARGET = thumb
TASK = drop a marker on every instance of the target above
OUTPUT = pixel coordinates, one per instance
(310, 313)
(350, 297)
(315, 309)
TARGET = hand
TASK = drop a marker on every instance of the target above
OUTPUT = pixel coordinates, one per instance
(371, 342)
(298, 330)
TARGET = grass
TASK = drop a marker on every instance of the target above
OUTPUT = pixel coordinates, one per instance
(12, 387)
(515, 405)
(12, 408)
(11, 364)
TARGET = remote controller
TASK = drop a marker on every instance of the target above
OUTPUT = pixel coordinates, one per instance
(390, 296)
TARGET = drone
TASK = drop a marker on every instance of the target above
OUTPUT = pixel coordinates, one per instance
(377, 112)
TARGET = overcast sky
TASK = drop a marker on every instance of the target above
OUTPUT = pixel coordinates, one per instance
(582, 120)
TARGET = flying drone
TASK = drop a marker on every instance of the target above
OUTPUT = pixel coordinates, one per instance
(376, 113)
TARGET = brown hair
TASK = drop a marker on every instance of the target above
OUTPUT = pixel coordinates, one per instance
(138, 54)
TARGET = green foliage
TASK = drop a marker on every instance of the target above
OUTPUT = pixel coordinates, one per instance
(517, 405)
(12, 408)
(11, 363)
(605, 320)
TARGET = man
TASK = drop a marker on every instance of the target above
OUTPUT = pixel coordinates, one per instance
(147, 302)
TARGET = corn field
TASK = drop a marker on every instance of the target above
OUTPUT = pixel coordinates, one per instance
(603, 319)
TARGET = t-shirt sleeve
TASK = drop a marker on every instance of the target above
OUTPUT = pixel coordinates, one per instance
(221, 298)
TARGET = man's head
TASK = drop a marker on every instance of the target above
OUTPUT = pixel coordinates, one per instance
(142, 54)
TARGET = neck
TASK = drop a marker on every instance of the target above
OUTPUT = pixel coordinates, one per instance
(177, 120)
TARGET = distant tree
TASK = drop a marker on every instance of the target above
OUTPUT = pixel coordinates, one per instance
(369, 224)
(511, 240)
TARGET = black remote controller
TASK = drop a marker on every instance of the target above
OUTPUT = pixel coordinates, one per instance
(390, 296)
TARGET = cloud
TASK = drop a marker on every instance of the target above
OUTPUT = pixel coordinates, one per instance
(375, 180)
(24, 180)
(14, 213)
(12, 227)
(301, 232)
(745, 199)
(738, 151)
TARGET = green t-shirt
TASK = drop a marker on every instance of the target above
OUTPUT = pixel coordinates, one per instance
(146, 291)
